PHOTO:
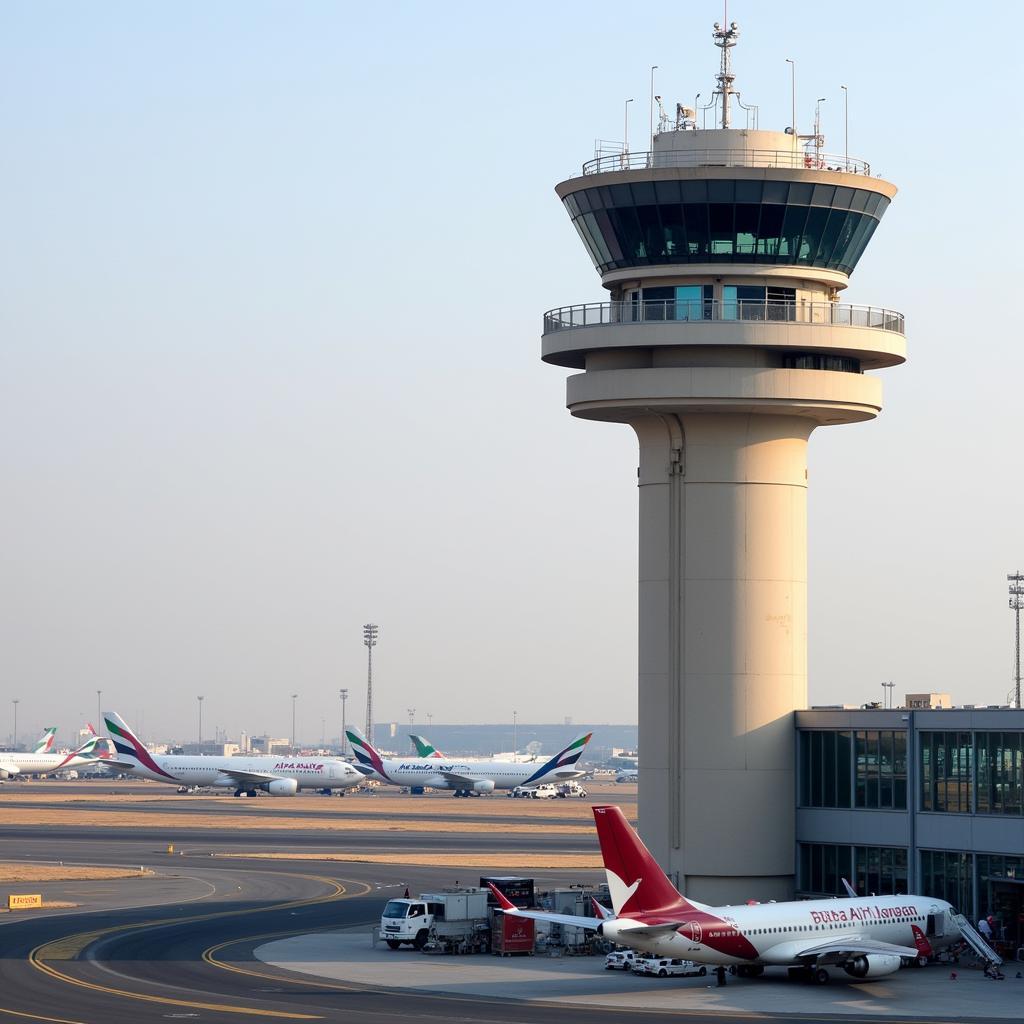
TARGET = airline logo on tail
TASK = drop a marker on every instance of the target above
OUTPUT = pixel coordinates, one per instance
(424, 748)
(45, 744)
(635, 879)
(365, 754)
(128, 746)
(95, 747)
(570, 755)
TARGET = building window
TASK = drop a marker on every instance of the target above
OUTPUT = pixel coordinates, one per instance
(999, 772)
(946, 875)
(946, 772)
(880, 760)
(840, 768)
(1001, 894)
(872, 870)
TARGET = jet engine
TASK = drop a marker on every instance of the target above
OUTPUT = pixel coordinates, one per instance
(483, 786)
(5, 774)
(873, 965)
(282, 787)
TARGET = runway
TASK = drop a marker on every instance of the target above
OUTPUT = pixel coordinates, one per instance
(180, 945)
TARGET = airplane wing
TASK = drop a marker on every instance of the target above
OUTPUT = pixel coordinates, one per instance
(838, 950)
(571, 920)
(457, 779)
(237, 775)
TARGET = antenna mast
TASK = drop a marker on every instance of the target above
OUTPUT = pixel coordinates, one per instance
(1016, 603)
(725, 39)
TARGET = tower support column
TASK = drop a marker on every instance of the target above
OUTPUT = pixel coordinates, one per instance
(723, 645)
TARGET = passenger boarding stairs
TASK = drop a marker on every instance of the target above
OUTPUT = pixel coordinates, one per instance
(973, 938)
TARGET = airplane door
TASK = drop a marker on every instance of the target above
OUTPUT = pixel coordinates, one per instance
(333, 771)
(935, 926)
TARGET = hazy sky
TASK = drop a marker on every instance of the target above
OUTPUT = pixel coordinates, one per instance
(272, 281)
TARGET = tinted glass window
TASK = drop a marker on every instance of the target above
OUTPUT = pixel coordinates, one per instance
(668, 222)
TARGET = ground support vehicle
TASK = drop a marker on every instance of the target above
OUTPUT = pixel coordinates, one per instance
(664, 967)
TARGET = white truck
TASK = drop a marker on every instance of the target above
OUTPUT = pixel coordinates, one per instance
(411, 921)
(571, 788)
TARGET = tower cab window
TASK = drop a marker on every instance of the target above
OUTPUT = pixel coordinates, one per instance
(757, 302)
(682, 302)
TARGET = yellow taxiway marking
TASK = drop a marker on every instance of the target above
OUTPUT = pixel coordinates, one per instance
(66, 947)
(39, 1016)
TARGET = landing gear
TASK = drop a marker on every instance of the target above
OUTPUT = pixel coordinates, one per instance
(749, 970)
(821, 976)
(720, 975)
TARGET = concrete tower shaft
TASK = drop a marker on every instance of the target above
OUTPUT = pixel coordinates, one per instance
(723, 346)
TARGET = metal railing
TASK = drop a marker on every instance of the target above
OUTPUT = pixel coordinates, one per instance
(786, 158)
(594, 314)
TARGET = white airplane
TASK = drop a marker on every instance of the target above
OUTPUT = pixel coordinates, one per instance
(278, 776)
(627, 775)
(466, 778)
(867, 937)
(95, 750)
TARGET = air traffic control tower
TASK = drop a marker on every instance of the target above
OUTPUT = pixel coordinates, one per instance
(724, 345)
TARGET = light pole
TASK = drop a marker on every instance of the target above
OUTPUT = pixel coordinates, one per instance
(846, 128)
(370, 632)
(295, 697)
(625, 130)
(343, 693)
(411, 712)
(200, 702)
(888, 686)
(1016, 603)
(792, 92)
(430, 721)
(515, 735)
(15, 702)
(654, 67)
(99, 713)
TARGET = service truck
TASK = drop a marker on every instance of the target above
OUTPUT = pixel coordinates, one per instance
(447, 914)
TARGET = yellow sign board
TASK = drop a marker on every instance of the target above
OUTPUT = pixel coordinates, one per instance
(24, 902)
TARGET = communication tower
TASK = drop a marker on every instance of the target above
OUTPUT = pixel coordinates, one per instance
(723, 344)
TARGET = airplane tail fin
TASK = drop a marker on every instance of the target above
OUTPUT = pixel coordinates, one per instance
(128, 746)
(424, 747)
(45, 742)
(365, 752)
(565, 758)
(636, 881)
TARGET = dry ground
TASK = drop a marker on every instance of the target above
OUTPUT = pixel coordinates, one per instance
(486, 861)
(16, 872)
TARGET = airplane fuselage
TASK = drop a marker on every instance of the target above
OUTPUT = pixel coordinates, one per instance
(23, 763)
(775, 933)
(435, 773)
(309, 773)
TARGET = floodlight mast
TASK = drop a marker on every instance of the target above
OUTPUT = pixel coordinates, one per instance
(1016, 582)
(370, 631)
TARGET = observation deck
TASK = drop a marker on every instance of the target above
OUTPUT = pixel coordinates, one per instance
(788, 157)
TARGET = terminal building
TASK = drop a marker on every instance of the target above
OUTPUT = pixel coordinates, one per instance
(924, 801)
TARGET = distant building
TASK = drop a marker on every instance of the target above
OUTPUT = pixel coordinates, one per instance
(927, 701)
(210, 748)
(269, 745)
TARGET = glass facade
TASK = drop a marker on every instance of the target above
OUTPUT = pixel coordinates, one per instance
(999, 772)
(881, 870)
(946, 875)
(984, 767)
(646, 223)
(853, 768)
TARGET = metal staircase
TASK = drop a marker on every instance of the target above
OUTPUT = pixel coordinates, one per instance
(973, 938)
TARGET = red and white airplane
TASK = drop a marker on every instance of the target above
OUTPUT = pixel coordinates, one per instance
(867, 937)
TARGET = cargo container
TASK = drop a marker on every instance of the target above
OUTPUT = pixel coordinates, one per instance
(516, 890)
(511, 934)
(460, 904)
